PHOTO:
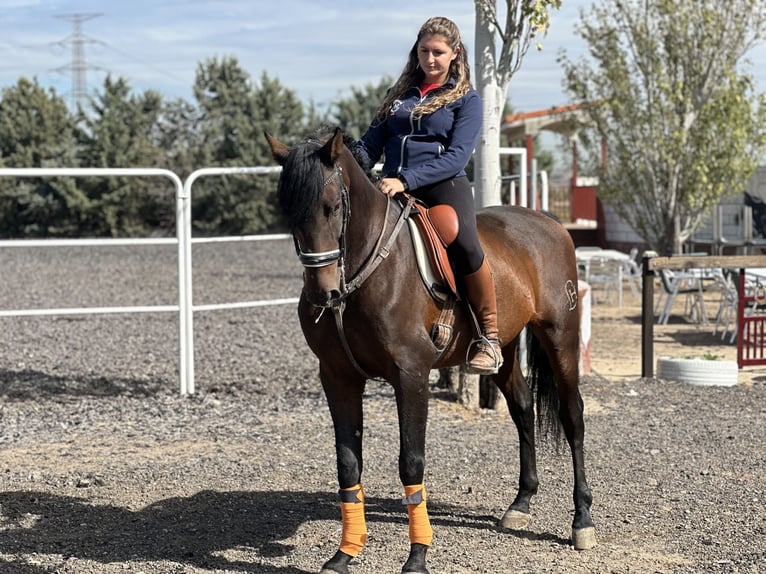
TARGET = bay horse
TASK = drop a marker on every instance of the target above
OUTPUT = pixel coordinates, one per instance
(365, 313)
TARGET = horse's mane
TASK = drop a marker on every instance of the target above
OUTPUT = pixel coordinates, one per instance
(300, 184)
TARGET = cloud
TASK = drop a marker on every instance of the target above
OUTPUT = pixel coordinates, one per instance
(318, 49)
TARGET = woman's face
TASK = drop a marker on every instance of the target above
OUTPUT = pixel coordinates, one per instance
(434, 57)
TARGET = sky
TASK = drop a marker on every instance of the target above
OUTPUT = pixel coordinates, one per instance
(319, 48)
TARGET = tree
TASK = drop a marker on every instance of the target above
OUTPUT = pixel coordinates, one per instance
(177, 134)
(234, 113)
(37, 130)
(121, 131)
(355, 113)
(494, 68)
(681, 123)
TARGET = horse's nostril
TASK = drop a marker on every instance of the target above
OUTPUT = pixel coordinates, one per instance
(323, 298)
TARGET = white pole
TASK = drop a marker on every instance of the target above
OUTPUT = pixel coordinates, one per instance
(544, 190)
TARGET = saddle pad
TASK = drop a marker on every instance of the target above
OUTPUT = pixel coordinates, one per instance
(436, 287)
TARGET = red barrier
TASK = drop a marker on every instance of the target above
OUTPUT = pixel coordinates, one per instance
(751, 335)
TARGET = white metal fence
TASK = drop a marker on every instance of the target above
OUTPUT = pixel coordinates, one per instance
(184, 241)
(185, 307)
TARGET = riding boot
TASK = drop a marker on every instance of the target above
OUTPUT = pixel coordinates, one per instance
(484, 355)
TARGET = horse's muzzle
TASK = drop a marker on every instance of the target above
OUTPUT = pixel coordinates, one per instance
(323, 298)
(321, 285)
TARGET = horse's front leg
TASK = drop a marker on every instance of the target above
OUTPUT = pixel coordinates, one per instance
(344, 397)
(412, 406)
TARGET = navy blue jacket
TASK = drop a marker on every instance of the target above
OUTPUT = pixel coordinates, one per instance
(429, 149)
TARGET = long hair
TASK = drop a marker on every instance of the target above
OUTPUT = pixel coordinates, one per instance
(412, 75)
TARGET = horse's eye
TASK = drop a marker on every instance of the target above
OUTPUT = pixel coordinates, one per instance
(333, 210)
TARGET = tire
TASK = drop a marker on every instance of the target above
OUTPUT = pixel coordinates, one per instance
(698, 371)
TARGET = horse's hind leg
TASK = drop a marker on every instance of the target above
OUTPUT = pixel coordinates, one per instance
(520, 400)
(561, 344)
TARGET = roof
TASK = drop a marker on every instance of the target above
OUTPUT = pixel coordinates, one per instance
(564, 120)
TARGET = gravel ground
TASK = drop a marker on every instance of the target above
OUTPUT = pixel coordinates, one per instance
(105, 468)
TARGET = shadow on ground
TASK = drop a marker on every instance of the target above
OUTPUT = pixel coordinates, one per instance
(195, 530)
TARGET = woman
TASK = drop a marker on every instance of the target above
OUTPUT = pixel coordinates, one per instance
(427, 128)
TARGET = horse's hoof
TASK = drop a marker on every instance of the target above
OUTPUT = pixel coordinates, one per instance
(338, 564)
(584, 538)
(515, 520)
(416, 562)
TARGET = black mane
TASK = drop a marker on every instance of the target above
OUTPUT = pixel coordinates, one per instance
(300, 184)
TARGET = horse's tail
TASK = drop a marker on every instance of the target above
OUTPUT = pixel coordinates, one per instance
(541, 381)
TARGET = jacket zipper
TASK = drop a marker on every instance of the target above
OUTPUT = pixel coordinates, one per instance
(404, 139)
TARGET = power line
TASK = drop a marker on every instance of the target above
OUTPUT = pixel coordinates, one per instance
(78, 66)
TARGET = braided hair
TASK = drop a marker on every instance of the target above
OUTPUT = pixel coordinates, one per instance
(412, 75)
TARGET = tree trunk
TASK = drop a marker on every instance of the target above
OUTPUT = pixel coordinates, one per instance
(486, 162)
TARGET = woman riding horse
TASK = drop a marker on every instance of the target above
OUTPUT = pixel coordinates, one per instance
(427, 126)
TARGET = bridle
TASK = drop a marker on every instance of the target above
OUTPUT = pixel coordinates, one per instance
(376, 257)
(317, 260)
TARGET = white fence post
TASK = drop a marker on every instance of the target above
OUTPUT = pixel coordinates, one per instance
(188, 357)
(522, 153)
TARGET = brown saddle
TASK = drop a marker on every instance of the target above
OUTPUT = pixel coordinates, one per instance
(438, 227)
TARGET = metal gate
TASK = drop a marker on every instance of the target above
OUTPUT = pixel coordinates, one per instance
(751, 324)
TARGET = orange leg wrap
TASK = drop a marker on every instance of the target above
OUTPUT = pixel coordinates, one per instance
(420, 526)
(354, 528)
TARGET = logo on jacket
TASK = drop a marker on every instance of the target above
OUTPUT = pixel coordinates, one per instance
(395, 106)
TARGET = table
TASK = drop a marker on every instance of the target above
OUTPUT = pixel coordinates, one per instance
(757, 273)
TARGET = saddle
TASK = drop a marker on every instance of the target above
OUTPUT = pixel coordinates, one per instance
(433, 230)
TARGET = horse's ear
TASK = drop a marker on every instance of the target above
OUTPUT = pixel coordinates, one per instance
(279, 151)
(331, 151)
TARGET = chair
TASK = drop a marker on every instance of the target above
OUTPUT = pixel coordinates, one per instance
(727, 304)
(606, 272)
(583, 255)
(631, 270)
(676, 283)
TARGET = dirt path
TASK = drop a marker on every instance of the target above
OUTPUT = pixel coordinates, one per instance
(105, 469)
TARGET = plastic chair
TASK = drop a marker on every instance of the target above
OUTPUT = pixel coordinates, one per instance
(676, 283)
(631, 270)
(727, 304)
(606, 272)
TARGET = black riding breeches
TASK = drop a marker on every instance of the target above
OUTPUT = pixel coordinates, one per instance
(465, 253)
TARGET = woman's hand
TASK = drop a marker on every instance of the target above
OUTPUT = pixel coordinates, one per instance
(391, 186)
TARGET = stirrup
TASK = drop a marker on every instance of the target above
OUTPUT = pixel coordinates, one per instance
(490, 347)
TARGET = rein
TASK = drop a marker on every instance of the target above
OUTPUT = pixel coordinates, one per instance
(380, 252)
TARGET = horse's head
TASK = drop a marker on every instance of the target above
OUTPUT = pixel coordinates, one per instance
(313, 194)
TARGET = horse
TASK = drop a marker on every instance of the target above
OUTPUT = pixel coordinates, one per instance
(366, 314)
